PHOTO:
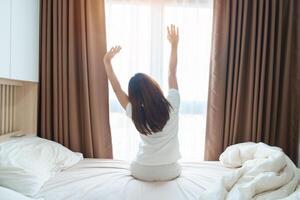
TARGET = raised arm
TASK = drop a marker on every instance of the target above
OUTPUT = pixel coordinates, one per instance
(173, 37)
(121, 95)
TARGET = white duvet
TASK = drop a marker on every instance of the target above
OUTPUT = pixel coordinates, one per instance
(264, 173)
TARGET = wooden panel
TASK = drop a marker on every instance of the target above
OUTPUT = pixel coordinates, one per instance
(7, 101)
(27, 108)
(5, 20)
(18, 107)
(25, 40)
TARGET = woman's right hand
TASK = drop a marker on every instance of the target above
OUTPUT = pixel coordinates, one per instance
(173, 35)
(110, 54)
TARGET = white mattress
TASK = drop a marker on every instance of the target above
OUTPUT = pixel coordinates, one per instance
(110, 180)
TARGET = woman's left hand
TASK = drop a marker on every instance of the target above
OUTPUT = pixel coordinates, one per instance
(110, 54)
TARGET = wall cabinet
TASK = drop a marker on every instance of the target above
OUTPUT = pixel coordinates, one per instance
(22, 48)
(5, 38)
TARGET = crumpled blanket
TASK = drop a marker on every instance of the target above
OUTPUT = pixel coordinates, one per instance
(263, 173)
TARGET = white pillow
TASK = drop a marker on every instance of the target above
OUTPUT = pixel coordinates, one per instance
(7, 194)
(27, 163)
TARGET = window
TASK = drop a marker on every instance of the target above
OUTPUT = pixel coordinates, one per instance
(140, 29)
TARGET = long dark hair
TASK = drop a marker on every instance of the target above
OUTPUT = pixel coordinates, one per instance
(150, 109)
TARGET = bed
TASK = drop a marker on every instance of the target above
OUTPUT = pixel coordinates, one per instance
(36, 168)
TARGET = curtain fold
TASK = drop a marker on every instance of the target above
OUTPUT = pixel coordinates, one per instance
(254, 75)
(73, 99)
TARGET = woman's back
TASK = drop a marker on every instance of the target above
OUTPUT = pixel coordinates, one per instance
(162, 147)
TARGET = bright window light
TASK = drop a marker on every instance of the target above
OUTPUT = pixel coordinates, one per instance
(141, 31)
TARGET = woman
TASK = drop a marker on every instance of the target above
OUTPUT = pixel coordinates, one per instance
(154, 116)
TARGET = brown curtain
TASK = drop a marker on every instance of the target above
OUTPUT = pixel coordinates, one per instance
(254, 86)
(73, 101)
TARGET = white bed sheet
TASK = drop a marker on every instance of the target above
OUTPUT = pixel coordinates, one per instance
(110, 180)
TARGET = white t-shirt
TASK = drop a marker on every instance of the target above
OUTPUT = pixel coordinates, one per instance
(162, 147)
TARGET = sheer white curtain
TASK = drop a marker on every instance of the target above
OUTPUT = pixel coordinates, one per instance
(140, 28)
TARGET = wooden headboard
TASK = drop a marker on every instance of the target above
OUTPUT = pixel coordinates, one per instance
(18, 108)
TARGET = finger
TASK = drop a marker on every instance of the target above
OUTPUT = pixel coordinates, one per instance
(109, 52)
(118, 49)
(113, 52)
(111, 49)
(115, 49)
(168, 28)
(173, 28)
